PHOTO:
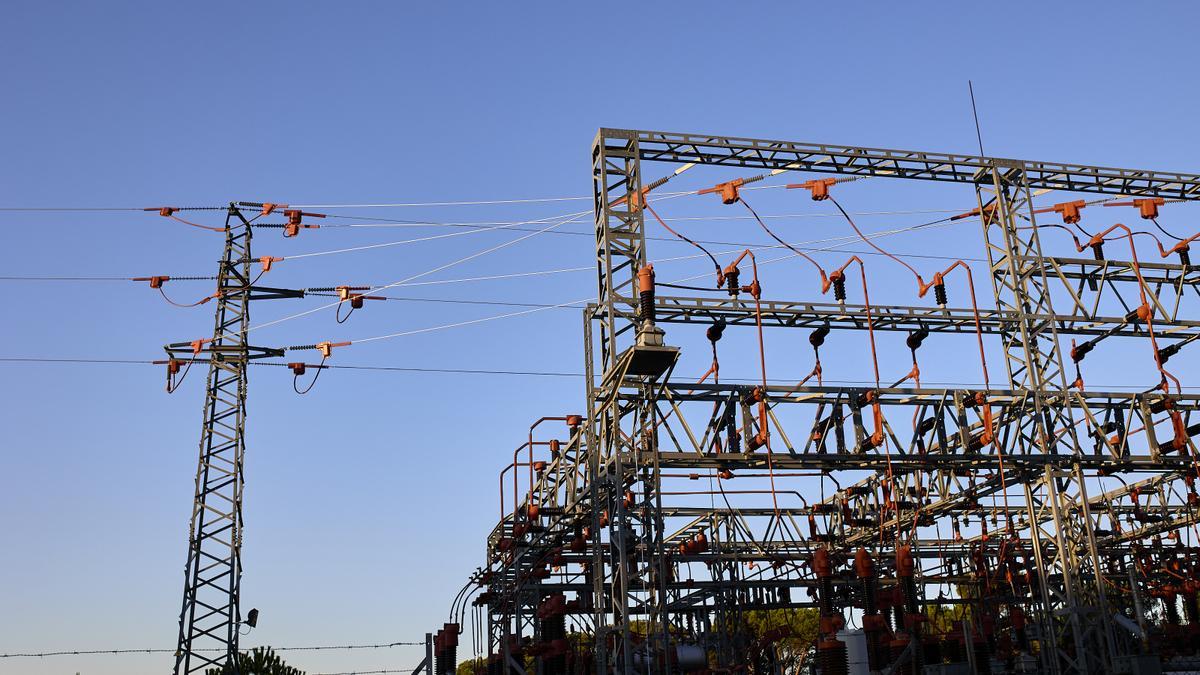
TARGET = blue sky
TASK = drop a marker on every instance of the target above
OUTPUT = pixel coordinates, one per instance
(367, 501)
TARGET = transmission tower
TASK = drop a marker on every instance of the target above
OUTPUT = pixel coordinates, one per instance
(210, 619)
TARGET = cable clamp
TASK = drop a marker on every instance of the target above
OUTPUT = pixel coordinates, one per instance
(1068, 210)
(326, 348)
(294, 216)
(987, 212)
(155, 282)
(1147, 207)
(728, 190)
(819, 187)
(300, 368)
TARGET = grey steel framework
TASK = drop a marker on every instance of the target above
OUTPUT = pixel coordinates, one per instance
(210, 618)
(1045, 553)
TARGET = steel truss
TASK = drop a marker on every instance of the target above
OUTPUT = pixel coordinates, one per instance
(999, 500)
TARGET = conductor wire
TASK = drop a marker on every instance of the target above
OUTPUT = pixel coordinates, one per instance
(821, 270)
(1149, 310)
(296, 378)
(716, 265)
(920, 281)
(755, 290)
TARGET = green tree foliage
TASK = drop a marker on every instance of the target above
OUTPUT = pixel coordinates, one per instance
(801, 625)
(260, 661)
(472, 667)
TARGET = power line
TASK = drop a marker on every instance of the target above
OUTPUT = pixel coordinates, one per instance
(34, 278)
(465, 302)
(804, 246)
(152, 650)
(368, 672)
(398, 222)
(418, 275)
(68, 208)
(457, 324)
(525, 373)
(571, 217)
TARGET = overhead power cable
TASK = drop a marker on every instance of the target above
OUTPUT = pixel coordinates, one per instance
(377, 222)
(453, 301)
(539, 309)
(93, 652)
(369, 672)
(523, 373)
(571, 217)
(484, 202)
(804, 246)
(414, 277)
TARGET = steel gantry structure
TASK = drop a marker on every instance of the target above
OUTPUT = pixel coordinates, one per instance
(1035, 526)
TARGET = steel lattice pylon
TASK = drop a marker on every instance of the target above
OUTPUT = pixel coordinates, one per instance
(211, 616)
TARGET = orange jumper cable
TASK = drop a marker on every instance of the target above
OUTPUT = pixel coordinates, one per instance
(1148, 209)
(513, 466)
(729, 276)
(169, 212)
(1182, 248)
(646, 204)
(793, 249)
(530, 444)
(298, 369)
(1145, 312)
(939, 288)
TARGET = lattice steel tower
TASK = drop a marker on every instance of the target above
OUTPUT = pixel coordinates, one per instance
(211, 616)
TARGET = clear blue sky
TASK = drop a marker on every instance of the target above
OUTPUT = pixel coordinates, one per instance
(367, 501)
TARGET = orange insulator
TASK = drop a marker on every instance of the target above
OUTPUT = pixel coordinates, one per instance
(905, 565)
(646, 278)
(821, 564)
(864, 567)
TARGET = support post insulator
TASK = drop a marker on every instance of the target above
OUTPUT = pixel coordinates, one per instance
(839, 286)
(646, 293)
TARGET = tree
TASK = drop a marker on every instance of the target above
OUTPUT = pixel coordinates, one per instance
(260, 661)
(477, 666)
(797, 626)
